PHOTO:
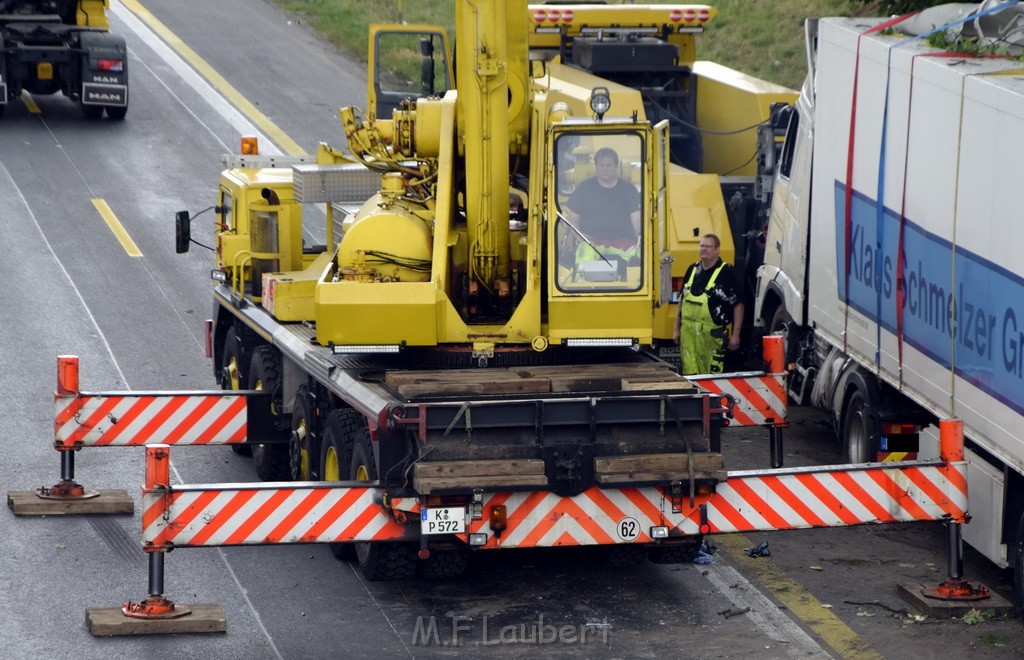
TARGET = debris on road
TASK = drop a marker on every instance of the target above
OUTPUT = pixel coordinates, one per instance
(759, 551)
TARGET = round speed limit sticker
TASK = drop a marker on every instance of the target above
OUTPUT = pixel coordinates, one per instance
(628, 529)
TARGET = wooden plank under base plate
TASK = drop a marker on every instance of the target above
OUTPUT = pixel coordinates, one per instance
(110, 621)
(27, 503)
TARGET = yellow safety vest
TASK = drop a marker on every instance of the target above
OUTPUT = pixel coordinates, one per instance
(702, 342)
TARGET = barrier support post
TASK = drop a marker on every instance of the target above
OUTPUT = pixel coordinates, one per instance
(951, 449)
(155, 606)
(155, 614)
(67, 488)
(773, 352)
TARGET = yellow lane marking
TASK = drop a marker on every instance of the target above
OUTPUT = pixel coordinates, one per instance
(233, 95)
(30, 103)
(826, 625)
(115, 226)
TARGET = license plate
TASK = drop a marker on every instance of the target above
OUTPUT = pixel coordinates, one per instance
(443, 520)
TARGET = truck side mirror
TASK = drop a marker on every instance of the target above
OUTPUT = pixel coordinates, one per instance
(182, 231)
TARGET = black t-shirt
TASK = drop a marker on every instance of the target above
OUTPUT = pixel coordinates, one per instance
(605, 212)
(722, 298)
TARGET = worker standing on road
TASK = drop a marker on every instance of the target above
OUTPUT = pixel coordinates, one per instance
(710, 302)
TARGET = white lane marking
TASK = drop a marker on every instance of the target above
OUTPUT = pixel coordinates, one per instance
(764, 614)
(189, 75)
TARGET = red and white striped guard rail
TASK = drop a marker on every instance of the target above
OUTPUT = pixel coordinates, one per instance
(831, 496)
(110, 420)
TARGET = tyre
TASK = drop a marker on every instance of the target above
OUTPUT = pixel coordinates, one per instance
(860, 435)
(781, 325)
(622, 556)
(335, 454)
(676, 553)
(116, 112)
(445, 563)
(271, 460)
(231, 377)
(377, 561)
(301, 438)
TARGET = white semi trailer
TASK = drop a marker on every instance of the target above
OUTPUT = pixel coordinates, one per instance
(894, 259)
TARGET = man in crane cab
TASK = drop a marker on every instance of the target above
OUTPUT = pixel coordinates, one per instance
(710, 302)
(606, 210)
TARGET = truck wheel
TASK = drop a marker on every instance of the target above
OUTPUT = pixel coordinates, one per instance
(444, 564)
(271, 460)
(301, 438)
(377, 561)
(92, 112)
(231, 378)
(781, 325)
(116, 112)
(335, 454)
(622, 556)
(860, 436)
(676, 553)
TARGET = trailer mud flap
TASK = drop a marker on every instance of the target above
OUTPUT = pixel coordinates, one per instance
(104, 94)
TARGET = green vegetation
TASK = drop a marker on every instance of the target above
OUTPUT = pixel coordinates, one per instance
(764, 39)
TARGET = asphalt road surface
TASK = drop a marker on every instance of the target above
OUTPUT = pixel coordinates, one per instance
(202, 75)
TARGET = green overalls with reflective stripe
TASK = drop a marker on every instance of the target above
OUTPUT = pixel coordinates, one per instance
(702, 342)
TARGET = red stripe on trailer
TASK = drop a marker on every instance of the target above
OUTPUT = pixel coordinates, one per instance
(605, 504)
(645, 505)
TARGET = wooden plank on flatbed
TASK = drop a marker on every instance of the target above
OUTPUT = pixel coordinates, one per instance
(515, 466)
(398, 378)
(658, 467)
(427, 485)
(620, 368)
(647, 384)
(443, 388)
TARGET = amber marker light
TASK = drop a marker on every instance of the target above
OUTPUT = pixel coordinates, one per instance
(498, 518)
(250, 145)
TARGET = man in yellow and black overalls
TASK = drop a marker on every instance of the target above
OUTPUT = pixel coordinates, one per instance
(709, 304)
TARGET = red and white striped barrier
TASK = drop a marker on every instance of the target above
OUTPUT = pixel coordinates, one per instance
(760, 399)
(830, 496)
(109, 420)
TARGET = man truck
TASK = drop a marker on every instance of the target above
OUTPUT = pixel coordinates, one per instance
(50, 46)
